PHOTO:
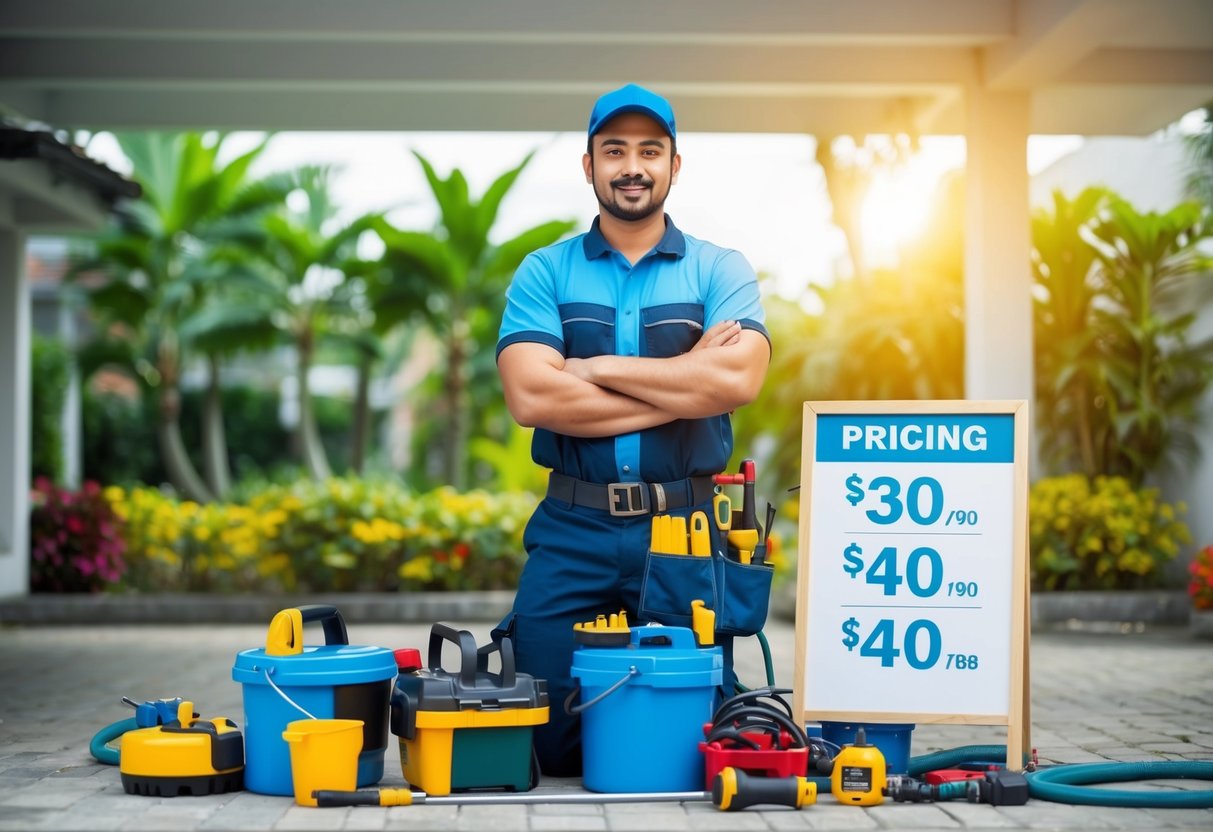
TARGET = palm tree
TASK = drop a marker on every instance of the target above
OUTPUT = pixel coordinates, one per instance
(289, 281)
(154, 270)
(454, 279)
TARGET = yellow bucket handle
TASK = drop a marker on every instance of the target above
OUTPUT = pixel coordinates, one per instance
(285, 635)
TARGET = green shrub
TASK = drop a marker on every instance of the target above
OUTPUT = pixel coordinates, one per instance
(1101, 533)
(49, 366)
(118, 442)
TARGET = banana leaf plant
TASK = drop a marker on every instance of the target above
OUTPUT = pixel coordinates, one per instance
(292, 280)
(1155, 277)
(150, 271)
(452, 280)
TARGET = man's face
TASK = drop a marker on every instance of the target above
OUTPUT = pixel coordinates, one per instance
(631, 166)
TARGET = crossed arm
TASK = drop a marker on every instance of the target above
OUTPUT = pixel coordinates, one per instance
(612, 394)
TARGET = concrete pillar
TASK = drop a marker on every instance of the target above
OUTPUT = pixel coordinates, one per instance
(998, 276)
(71, 427)
(14, 414)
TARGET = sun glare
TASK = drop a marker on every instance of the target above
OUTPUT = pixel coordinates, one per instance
(895, 210)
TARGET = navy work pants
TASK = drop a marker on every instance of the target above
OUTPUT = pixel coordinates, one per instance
(582, 562)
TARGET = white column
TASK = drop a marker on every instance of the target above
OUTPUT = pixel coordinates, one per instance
(70, 425)
(998, 276)
(14, 414)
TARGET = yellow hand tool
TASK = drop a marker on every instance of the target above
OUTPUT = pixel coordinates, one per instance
(703, 623)
(701, 538)
(678, 535)
(667, 535)
(734, 790)
(744, 541)
(657, 535)
(722, 511)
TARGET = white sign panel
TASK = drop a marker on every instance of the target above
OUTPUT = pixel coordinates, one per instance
(912, 565)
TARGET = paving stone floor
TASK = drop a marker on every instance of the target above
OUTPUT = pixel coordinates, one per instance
(1096, 696)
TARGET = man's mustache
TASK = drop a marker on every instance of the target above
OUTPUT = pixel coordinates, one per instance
(631, 182)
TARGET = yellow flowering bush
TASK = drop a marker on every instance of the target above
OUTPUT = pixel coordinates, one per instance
(182, 545)
(344, 534)
(1101, 533)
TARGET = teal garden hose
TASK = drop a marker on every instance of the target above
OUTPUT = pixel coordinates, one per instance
(1070, 783)
(100, 744)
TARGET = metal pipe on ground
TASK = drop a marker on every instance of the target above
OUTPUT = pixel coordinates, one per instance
(404, 797)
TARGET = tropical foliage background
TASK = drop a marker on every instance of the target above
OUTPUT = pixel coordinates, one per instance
(233, 279)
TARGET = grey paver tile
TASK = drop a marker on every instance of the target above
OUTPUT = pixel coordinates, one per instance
(421, 817)
(978, 816)
(636, 817)
(913, 816)
(309, 818)
(835, 816)
(492, 818)
(573, 823)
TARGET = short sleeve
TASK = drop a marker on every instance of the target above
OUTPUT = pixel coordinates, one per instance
(531, 309)
(733, 294)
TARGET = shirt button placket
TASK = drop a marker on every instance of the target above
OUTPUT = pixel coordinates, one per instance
(627, 446)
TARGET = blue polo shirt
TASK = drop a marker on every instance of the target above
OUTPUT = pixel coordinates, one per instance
(582, 297)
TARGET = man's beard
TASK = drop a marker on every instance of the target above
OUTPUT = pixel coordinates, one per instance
(625, 212)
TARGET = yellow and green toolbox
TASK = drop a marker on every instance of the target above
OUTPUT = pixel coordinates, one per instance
(470, 729)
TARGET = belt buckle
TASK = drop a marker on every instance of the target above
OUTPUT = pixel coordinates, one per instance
(627, 499)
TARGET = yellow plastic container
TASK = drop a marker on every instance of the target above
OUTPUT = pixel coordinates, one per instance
(468, 749)
(467, 729)
(324, 755)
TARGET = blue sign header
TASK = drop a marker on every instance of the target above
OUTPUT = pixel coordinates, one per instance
(928, 437)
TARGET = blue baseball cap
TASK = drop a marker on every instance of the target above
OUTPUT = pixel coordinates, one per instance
(632, 99)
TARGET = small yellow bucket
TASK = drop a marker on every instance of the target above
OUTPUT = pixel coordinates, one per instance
(324, 755)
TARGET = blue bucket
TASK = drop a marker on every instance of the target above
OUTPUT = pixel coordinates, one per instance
(893, 740)
(286, 681)
(643, 708)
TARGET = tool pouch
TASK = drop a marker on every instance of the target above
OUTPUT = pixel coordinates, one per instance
(739, 593)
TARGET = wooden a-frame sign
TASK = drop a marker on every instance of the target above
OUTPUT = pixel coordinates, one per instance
(938, 489)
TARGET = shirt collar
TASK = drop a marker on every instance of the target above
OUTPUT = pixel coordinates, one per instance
(671, 243)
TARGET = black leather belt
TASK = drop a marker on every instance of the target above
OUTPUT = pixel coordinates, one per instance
(628, 499)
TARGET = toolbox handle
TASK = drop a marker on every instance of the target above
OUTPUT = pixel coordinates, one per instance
(506, 648)
(467, 651)
(285, 636)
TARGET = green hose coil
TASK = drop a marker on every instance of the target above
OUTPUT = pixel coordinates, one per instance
(1067, 784)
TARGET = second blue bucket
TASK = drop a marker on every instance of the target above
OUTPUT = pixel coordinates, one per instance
(643, 708)
(893, 740)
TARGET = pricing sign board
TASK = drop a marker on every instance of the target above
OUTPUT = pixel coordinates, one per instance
(912, 583)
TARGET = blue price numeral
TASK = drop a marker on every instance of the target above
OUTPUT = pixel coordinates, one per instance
(892, 502)
(880, 644)
(883, 571)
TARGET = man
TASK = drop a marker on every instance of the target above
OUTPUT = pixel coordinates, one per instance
(626, 348)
